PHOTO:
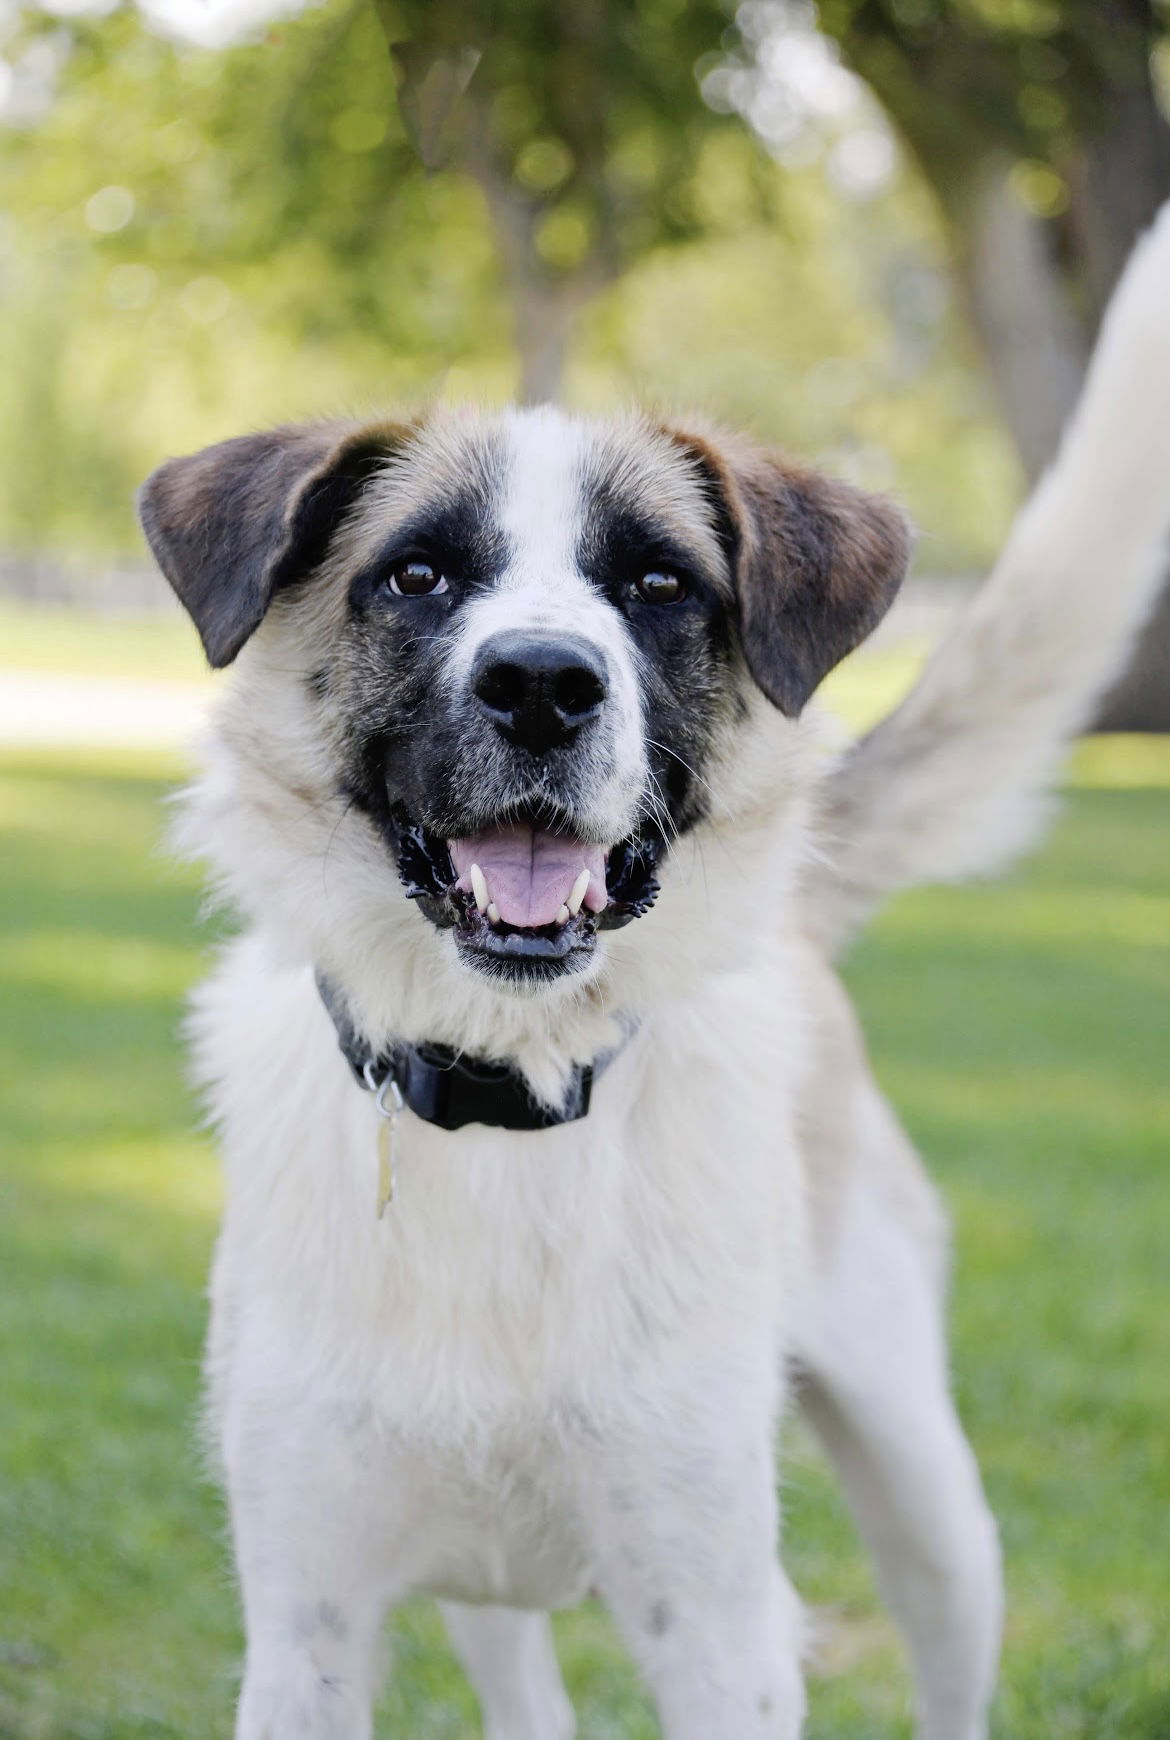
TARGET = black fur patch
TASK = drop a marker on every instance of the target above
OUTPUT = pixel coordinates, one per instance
(402, 735)
(459, 535)
(685, 647)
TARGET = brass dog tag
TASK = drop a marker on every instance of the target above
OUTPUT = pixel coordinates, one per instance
(387, 1155)
(390, 1105)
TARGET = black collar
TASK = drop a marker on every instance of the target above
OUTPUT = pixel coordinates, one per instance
(450, 1089)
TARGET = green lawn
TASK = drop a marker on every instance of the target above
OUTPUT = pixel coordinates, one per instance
(1024, 1030)
(63, 639)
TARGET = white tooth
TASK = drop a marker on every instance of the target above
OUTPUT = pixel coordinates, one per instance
(493, 913)
(578, 894)
(479, 887)
(563, 915)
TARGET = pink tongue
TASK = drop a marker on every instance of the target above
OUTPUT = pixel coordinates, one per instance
(530, 874)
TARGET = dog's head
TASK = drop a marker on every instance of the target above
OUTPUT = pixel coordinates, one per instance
(527, 640)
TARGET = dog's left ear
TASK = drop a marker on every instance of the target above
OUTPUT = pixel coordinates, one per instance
(231, 525)
(816, 562)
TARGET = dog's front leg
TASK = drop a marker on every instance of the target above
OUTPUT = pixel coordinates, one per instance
(286, 1696)
(309, 1671)
(314, 1589)
(689, 1570)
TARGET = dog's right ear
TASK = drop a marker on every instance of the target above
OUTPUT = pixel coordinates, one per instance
(231, 525)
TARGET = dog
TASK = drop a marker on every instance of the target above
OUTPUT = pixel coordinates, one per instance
(553, 1160)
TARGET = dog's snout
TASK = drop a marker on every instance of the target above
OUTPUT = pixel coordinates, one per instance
(539, 690)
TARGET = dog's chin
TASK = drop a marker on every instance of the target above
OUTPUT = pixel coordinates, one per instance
(524, 926)
(526, 957)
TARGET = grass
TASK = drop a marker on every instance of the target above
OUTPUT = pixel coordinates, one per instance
(1023, 1028)
(62, 639)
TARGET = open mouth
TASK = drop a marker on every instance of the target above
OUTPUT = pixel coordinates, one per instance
(525, 900)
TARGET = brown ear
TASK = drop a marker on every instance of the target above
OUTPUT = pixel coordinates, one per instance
(231, 525)
(817, 563)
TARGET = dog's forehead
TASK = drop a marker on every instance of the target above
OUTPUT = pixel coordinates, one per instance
(543, 481)
(544, 494)
(568, 479)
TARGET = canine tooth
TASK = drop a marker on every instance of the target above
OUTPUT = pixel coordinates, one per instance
(563, 915)
(493, 912)
(479, 887)
(578, 894)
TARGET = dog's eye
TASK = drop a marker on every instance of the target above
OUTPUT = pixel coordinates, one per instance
(415, 580)
(659, 588)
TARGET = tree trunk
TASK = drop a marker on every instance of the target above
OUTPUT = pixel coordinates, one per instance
(1033, 346)
(1035, 290)
(438, 100)
(1036, 341)
(545, 317)
(1120, 180)
(545, 305)
(545, 308)
(1141, 700)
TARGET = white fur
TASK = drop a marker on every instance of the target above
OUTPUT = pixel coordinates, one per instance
(559, 1361)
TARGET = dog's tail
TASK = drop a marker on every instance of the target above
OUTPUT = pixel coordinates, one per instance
(951, 784)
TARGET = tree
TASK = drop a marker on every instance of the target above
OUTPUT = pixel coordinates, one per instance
(580, 120)
(302, 219)
(1038, 127)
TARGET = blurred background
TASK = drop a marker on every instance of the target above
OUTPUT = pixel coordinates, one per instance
(879, 232)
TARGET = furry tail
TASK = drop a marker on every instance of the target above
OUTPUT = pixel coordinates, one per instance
(950, 784)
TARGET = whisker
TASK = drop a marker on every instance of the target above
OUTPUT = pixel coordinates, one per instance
(682, 761)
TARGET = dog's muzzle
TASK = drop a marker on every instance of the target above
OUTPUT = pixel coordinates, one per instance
(526, 890)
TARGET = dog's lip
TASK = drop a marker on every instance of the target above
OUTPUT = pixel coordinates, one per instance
(517, 944)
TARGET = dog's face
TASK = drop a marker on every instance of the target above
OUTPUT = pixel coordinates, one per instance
(532, 635)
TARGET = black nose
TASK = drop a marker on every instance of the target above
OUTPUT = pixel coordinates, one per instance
(538, 690)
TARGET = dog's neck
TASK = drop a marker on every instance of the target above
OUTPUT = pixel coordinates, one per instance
(449, 1089)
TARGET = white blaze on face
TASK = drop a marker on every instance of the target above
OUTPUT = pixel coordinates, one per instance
(548, 460)
(541, 513)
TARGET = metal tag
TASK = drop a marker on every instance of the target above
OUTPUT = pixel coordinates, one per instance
(387, 1158)
(387, 1090)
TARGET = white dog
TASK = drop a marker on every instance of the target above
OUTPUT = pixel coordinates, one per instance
(516, 1322)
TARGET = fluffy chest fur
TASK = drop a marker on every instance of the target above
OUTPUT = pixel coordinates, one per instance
(525, 1294)
(511, 1269)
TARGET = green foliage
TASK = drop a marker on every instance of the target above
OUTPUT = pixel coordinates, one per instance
(826, 330)
(1030, 78)
(590, 110)
(202, 240)
(1022, 1029)
(199, 241)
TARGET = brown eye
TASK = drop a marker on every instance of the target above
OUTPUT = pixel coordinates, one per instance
(659, 588)
(416, 580)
